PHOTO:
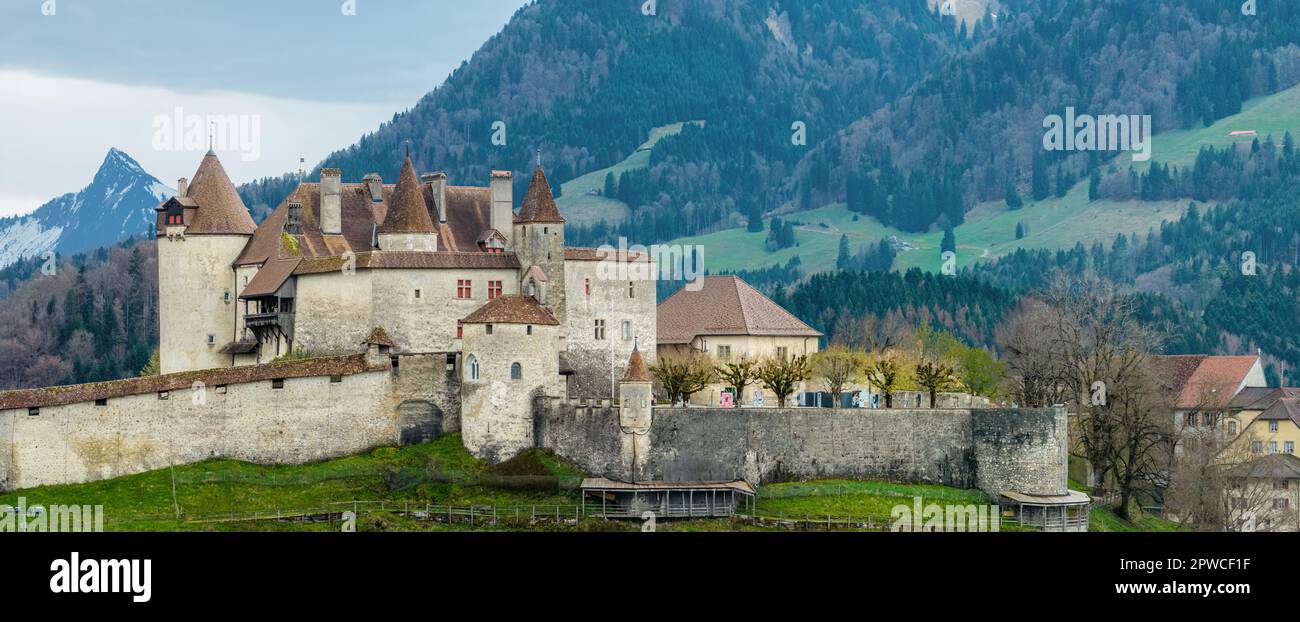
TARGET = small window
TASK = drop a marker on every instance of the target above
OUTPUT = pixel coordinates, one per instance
(1232, 428)
(489, 329)
(783, 353)
(226, 296)
(277, 383)
(724, 352)
(627, 330)
(586, 286)
(1280, 504)
(451, 361)
(103, 401)
(162, 395)
(1257, 447)
(212, 340)
(530, 329)
(494, 289)
(1272, 426)
(221, 389)
(471, 367)
(460, 329)
(1191, 420)
(600, 330)
(1272, 447)
(516, 371)
(631, 289)
(1288, 447)
(33, 412)
(417, 293)
(336, 378)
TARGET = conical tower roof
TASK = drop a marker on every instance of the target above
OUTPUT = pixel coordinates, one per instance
(220, 210)
(636, 369)
(406, 210)
(539, 204)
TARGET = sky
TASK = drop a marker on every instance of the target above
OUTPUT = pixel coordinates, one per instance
(268, 82)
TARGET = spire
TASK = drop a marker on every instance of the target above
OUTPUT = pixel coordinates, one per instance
(406, 210)
(539, 204)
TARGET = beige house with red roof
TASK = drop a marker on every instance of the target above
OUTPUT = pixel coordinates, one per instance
(1202, 387)
(726, 318)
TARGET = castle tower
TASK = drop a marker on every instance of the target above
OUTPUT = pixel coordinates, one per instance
(200, 234)
(407, 226)
(539, 242)
(635, 416)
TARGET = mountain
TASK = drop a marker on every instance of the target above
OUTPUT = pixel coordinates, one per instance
(117, 204)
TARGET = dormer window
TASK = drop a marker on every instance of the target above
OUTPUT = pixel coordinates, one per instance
(293, 219)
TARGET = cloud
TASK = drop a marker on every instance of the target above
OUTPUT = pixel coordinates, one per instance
(56, 130)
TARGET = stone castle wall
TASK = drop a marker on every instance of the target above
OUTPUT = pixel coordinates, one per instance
(994, 450)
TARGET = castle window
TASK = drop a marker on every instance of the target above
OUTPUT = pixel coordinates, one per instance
(451, 361)
(162, 395)
(627, 330)
(175, 219)
(464, 289)
(277, 383)
(460, 329)
(530, 329)
(417, 293)
(336, 379)
(471, 367)
(212, 340)
(600, 330)
(494, 289)
(586, 285)
(33, 412)
(489, 329)
(631, 289)
(221, 389)
(103, 401)
(516, 371)
(226, 296)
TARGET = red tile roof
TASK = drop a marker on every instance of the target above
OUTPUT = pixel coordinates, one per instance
(270, 277)
(408, 212)
(636, 369)
(1201, 381)
(725, 305)
(378, 337)
(78, 393)
(539, 204)
(217, 208)
(512, 309)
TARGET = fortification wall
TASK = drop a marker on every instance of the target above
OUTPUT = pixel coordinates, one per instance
(309, 418)
(993, 450)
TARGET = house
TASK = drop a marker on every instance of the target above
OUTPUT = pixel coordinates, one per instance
(727, 319)
(1200, 388)
(1265, 495)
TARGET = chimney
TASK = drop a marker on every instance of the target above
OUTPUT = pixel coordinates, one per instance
(375, 186)
(438, 184)
(331, 201)
(182, 186)
(503, 211)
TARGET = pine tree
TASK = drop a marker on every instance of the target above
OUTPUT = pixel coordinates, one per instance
(949, 241)
(842, 261)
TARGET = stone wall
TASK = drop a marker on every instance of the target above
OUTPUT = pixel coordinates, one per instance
(608, 300)
(306, 419)
(993, 450)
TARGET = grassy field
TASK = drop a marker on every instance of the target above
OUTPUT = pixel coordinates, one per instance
(223, 495)
(1104, 520)
(990, 228)
(580, 201)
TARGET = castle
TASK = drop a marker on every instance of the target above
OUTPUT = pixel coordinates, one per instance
(415, 268)
(371, 314)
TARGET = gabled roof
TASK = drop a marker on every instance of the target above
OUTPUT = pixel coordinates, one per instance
(1260, 398)
(407, 213)
(512, 309)
(725, 305)
(378, 337)
(1287, 408)
(539, 205)
(217, 208)
(1272, 466)
(468, 215)
(1201, 381)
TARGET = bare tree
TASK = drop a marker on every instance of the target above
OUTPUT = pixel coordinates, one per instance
(883, 374)
(934, 376)
(739, 373)
(836, 366)
(682, 376)
(782, 375)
